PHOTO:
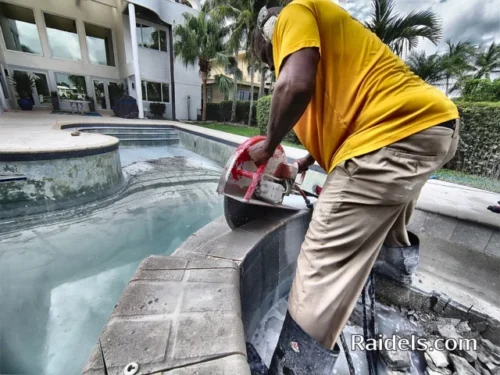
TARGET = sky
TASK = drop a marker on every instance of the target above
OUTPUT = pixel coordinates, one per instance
(477, 21)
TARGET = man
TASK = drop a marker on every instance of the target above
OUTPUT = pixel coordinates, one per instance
(378, 131)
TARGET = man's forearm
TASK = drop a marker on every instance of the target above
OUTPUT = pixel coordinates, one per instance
(287, 107)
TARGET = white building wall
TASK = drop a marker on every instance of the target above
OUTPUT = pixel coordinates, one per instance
(154, 65)
(186, 79)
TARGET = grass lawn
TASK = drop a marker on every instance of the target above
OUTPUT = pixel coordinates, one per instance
(245, 131)
(455, 177)
(465, 179)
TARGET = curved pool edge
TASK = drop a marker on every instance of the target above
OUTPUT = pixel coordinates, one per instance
(194, 310)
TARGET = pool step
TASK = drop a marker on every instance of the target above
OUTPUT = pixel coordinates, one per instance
(129, 130)
(148, 141)
(138, 136)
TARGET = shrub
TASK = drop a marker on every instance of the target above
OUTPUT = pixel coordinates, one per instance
(263, 109)
(479, 149)
(222, 111)
(157, 109)
(477, 90)
(213, 112)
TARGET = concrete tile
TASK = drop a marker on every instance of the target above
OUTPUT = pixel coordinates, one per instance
(302, 219)
(231, 365)
(261, 226)
(233, 245)
(94, 362)
(146, 298)
(270, 262)
(493, 246)
(290, 243)
(204, 263)
(472, 235)
(417, 221)
(158, 262)
(206, 335)
(439, 226)
(280, 214)
(251, 292)
(268, 302)
(158, 275)
(224, 275)
(201, 237)
(204, 297)
(135, 341)
(285, 279)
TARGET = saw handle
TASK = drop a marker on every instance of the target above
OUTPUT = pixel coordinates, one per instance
(256, 177)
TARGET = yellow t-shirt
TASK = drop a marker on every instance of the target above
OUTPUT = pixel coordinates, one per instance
(365, 98)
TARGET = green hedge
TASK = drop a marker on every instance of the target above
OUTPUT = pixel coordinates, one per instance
(263, 109)
(479, 149)
(221, 112)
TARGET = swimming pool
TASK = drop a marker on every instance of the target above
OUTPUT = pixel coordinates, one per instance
(61, 281)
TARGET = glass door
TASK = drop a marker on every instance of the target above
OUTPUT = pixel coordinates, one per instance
(42, 92)
(100, 95)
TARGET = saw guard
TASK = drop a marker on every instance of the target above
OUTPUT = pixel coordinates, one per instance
(241, 176)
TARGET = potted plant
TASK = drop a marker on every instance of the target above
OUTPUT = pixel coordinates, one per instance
(23, 84)
(55, 100)
(91, 101)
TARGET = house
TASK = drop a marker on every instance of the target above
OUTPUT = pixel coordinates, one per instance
(101, 49)
(214, 95)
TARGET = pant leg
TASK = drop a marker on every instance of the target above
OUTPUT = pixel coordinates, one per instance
(359, 204)
(398, 235)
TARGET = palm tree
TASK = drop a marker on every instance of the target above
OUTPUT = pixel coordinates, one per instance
(429, 68)
(240, 16)
(457, 63)
(400, 33)
(201, 39)
(488, 61)
(263, 69)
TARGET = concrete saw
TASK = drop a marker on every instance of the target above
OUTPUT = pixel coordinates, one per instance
(250, 191)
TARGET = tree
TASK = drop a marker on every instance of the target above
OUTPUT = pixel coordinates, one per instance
(488, 61)
(429, 68)
(457, 63)
(401, 33)
(241, 18)
(201, 40)
(263, 69)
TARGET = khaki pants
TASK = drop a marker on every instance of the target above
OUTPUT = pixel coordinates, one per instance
(365, 201)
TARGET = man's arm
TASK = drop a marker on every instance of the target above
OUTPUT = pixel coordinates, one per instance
(292, 94)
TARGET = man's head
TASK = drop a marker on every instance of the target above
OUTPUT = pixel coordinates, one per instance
(263, 35)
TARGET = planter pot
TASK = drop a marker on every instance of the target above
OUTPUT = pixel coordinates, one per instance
(25, 104)
(55, 103)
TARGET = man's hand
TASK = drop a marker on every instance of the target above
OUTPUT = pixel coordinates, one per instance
(305, 162)
(260, 153)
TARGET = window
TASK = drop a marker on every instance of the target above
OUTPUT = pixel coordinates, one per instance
(150, 37)
(209, 94)
(99, 45)
(19, 29)
(63, 37)
(155, 92)
(243, 95)
(71, 86)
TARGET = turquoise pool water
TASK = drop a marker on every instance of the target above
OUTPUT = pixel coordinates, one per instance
(60, 282)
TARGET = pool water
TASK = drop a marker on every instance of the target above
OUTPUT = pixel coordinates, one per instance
(60, 282)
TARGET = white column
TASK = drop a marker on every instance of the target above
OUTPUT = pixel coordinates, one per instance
(135, 58)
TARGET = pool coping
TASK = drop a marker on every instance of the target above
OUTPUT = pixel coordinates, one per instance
(203, 283)
(434, 198)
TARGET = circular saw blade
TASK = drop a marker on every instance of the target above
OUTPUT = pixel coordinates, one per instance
(239, 213)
